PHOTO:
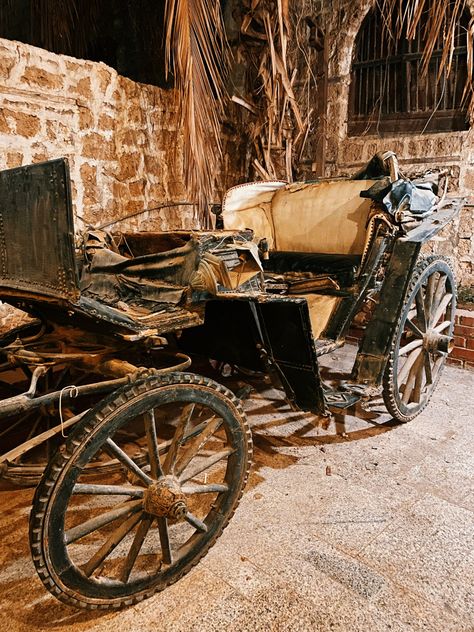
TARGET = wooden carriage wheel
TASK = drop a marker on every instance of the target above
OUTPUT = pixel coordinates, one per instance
(112, 539)
(421, 340)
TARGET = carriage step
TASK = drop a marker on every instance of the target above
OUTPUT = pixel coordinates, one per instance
(336, 399)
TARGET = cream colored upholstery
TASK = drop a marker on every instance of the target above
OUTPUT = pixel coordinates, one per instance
(248, 206)
(321, 308)
(326, 217)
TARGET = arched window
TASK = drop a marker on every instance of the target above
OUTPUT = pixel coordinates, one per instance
(390, 94)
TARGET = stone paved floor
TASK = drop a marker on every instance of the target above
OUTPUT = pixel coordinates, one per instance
(363, 525)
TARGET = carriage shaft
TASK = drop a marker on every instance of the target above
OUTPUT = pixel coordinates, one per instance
(23, 403)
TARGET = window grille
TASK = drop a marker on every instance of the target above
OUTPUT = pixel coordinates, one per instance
(390, 94)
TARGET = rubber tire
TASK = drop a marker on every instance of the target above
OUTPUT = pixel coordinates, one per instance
(44, 532)
(423, 269)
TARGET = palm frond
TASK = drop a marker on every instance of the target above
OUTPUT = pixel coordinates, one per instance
(196, 54)
(438, 18)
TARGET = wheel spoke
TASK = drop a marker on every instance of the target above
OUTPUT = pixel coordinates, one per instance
(163, 447)
(440, 290)
(418, 382)
(411, 325)
(441, 309)
(35, 425)
(137, 543)
(412, 375)
(59, 378)
(428, 371)
(195, 522)
(420, 309)
(18, 460)
(81, 530)
(18, 422)
(430, 290)
(198, 442)
(410, 346)
(110, 544)
(407, 366)
(442, 326)
(204, 465)
(164, 541)
(209, 488)
(181, 427)
(152, 442)
(108, 490)
(127, 461)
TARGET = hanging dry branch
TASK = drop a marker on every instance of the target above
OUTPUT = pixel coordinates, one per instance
(277, 125)
(196, 53)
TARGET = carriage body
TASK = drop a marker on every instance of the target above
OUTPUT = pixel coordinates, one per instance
(116, 315)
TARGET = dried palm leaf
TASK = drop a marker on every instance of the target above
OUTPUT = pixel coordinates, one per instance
(439, 19)
(196, 53)
(283, 21)
(468, 94)
(278, 128)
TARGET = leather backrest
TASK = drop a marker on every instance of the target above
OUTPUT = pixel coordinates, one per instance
(325, 217)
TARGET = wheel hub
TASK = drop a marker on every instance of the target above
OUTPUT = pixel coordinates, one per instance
(164, 498)
(433, 341)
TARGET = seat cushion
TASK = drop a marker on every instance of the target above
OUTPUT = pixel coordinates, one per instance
(326, 217)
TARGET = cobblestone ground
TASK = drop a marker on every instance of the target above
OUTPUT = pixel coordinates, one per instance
(358, 524)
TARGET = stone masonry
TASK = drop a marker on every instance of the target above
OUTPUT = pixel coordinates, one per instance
(119, 136)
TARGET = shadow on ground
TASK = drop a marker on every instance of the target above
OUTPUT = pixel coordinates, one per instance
(282, 437)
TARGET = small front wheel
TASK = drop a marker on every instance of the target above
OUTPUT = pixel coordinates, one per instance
(421, 340)
(110, 539)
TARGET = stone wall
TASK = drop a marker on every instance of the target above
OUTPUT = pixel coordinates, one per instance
(119, 136)
(453, 152)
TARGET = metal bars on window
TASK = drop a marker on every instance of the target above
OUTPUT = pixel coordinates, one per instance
(389, 92)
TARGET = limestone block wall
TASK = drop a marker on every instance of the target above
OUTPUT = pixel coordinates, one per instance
(119, 136)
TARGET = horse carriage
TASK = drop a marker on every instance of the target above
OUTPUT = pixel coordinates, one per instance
(140, 463)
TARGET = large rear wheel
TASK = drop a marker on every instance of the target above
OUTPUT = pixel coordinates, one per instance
(108, 540)
(421, 340)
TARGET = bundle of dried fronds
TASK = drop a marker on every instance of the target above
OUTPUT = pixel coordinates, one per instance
(277, 124)
(196, 52)
(439, 20)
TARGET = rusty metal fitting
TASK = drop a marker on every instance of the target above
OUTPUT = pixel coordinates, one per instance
(433, 341)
